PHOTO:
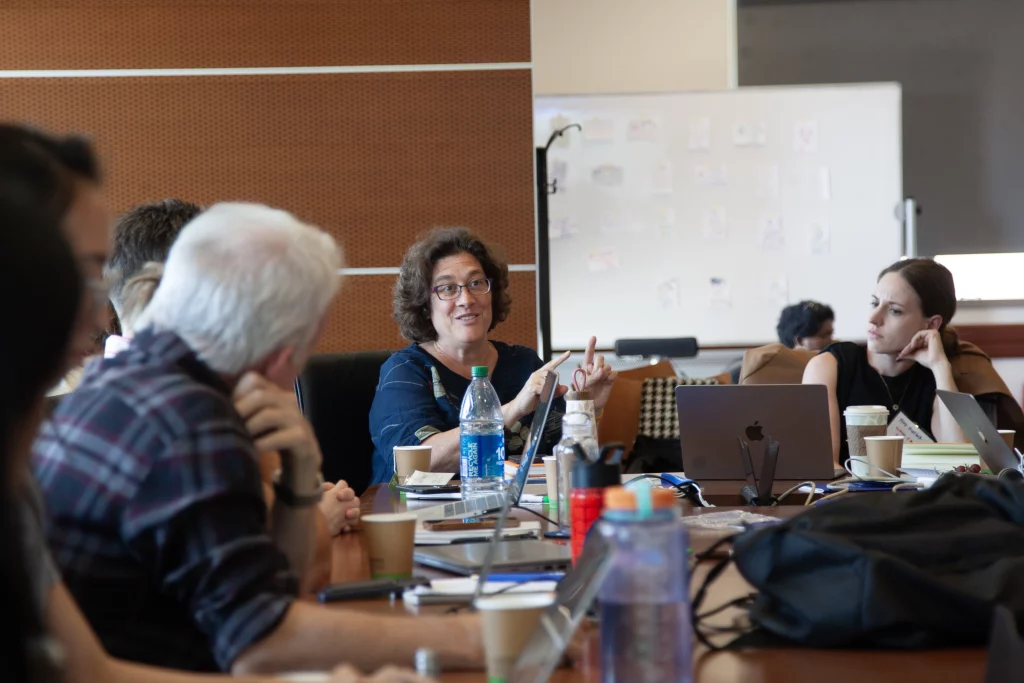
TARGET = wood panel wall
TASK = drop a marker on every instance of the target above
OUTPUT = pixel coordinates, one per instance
(375, 157)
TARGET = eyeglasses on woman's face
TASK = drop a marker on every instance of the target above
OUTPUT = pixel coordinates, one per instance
(449, 291)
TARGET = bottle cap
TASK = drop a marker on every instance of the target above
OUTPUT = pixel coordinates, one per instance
(622, 498)
(479, 371)
(595, 475)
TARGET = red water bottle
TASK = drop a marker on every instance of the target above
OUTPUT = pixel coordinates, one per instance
(589, 480)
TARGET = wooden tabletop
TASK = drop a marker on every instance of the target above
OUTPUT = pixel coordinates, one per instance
(350, 563)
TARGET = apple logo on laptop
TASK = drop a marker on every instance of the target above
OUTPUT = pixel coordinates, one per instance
(754, 432)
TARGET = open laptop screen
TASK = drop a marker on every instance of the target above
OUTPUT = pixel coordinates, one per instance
(515, 488)
(573, 597)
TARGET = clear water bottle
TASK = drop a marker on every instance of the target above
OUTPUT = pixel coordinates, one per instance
(646, 636)
(481, 438)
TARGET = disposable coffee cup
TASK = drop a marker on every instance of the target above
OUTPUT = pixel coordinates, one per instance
(885, 455)
(408, 459)
(861, 422)
(389, 540)
(1008, 436)
(508, 620)
(551, 478)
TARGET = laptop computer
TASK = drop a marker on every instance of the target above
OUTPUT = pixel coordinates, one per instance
(492, 502)
(573, 597)
(980, 431)
(713, 418)
(528, 555)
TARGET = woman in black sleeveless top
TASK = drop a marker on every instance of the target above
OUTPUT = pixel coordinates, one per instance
(906, 358)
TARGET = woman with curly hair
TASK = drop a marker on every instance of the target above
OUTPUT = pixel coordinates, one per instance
(452, 290)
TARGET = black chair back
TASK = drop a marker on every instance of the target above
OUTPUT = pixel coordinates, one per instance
(335, 392)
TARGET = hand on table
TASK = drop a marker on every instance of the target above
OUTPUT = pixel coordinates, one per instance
(926, 349)
(340, 507)
(275, 423)
(600, 377)
(389, 674)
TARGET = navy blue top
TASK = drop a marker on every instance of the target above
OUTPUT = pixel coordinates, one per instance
(418, 396)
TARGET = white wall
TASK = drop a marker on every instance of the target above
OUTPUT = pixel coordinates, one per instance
(630, 46)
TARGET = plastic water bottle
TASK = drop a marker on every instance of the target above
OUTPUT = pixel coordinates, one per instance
(646, 635)
(481, 438)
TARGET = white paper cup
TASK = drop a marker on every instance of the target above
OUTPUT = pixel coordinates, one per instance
(551, 478)
(861, 422)
(508, 621)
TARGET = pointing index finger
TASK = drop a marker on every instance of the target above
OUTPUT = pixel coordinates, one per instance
(555, 362)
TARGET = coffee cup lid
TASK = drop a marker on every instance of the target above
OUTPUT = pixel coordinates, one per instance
(865, 410)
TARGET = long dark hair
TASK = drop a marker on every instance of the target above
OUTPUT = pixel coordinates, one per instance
(933, 284)
(40, 278)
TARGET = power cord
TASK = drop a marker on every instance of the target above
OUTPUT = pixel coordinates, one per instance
(690, 491)
(810, 496)
(534, 512)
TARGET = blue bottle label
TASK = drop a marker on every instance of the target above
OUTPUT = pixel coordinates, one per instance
(482, 456)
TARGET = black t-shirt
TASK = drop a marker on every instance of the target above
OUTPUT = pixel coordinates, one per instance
(859, 384)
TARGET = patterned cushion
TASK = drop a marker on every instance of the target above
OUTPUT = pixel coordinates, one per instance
(658, 416)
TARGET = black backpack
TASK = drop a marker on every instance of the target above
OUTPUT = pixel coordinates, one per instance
(888, 570)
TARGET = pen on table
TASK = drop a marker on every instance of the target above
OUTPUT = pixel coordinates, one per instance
(525, 576)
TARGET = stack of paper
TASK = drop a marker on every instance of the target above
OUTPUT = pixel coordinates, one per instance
(424, 537)
(940, 457)
(538, 471)
(461, 591)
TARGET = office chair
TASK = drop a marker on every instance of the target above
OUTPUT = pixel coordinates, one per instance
(335, 392)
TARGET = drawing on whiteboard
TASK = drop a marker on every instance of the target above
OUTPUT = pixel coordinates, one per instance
(760, 134)
(643, 129)
(662, 177)
(665, 216)
(562, 228)
(558, 173)
(776, 289)
(772, 236)
(700, 134)
(599, 130)
(607, 175)
(711, 175)
(668, 295)
(825, 183)
(805, 136)
(602, 260)
(720, 295)
(558, 123)
(768, 182)
(742, 134)
(612, 221)
(821, 239)
(713, 224)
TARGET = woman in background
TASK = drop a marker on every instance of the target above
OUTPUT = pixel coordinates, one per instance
(907, 357)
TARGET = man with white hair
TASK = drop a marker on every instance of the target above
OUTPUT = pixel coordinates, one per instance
(150, 468)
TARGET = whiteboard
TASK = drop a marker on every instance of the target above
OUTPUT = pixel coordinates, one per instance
(704, 214)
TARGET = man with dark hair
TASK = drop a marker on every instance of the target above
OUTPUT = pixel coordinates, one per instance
(142, 234)
(806, 325)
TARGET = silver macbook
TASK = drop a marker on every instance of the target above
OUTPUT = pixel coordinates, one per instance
(980, 431)
(466, 559)
(712, 418)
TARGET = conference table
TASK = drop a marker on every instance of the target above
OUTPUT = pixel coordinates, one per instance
(350, 563)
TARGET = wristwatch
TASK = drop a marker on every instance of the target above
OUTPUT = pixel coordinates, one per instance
(295, 500)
